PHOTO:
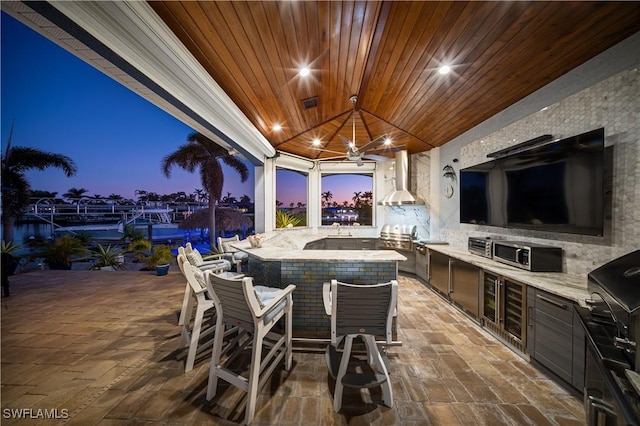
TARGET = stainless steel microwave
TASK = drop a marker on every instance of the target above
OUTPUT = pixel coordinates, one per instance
(529, 256)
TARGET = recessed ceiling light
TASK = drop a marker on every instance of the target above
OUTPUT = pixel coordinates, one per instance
(387, 141)
(277, 127)
(316, 142)
(304, 71)
(445, 69)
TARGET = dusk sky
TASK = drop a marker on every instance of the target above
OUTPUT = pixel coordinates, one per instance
(117, 139)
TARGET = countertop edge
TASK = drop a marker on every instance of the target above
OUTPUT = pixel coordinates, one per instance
(275, 253)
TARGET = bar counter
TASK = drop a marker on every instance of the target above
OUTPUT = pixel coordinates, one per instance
(278, 264)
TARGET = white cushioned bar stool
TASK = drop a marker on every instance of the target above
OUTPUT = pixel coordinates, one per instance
(255, 310)
(210, 262)
(197, 326)
(231, 254)
(196, 329)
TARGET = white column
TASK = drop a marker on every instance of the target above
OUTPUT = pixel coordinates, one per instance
(314, 198)
(265, 197)
(434, 193)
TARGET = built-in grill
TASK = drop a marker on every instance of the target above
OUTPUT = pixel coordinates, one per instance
(397, 237)
(612, 327)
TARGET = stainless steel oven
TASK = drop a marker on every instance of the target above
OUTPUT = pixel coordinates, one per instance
(480, 246)
(612, 382)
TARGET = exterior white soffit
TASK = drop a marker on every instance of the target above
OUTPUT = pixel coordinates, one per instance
(347, 167)
(136, 33)
(293, 162)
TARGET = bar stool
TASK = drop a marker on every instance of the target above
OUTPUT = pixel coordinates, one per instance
(360, 311)
(255, 310)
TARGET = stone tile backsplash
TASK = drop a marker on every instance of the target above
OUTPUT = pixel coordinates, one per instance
(613, 104)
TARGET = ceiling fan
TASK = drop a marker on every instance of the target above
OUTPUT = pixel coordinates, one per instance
(368, 151)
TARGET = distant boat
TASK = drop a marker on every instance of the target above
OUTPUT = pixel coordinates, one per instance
(162, 228)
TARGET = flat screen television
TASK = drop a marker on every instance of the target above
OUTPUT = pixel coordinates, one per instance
(556, 187)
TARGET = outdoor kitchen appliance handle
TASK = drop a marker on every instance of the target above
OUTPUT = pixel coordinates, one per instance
(553, 302)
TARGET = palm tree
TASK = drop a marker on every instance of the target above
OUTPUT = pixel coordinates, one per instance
(229, 199)
(326, 197)
(96, 199)
(357, 199)
(152, 196)
(202, 153)
(115, 198)
(367, 198)
(199, 194)
(15, 186)
(75, 194)
(141, 194)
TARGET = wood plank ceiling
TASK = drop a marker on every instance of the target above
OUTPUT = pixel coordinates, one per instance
(388, 54)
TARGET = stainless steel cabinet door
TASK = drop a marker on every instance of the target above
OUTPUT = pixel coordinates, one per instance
(439, 271)
(464, 286)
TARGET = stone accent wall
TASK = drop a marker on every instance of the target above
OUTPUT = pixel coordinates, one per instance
(613, 104)
(410, 215)
(418, 215)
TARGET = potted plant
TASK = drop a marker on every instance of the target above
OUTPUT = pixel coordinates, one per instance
(107, 258)
(140, 249)
(9, 262)
(159, 259)
(59, 253)
(132, 234)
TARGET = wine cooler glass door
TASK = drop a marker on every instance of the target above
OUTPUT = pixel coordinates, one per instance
(514, 302)
(490, 297)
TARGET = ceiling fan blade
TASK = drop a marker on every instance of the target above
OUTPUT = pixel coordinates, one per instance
(375, 157)
(373, 143)
(345, 141)
(387, 150)
(332, 158)
(327, 150)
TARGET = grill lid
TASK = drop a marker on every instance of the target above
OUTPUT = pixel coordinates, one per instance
(620, 278)
(399, 231)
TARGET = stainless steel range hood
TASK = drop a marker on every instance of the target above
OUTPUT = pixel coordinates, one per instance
(400, 194)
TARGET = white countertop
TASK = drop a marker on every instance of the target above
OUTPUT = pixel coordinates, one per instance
(289, 245)
(572, 287)
(279, 246)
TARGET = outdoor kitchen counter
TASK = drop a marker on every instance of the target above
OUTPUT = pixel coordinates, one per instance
(279, 263)
(289, 254)
(572, 287)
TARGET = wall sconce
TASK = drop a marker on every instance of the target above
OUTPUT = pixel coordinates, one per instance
(449, 173)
